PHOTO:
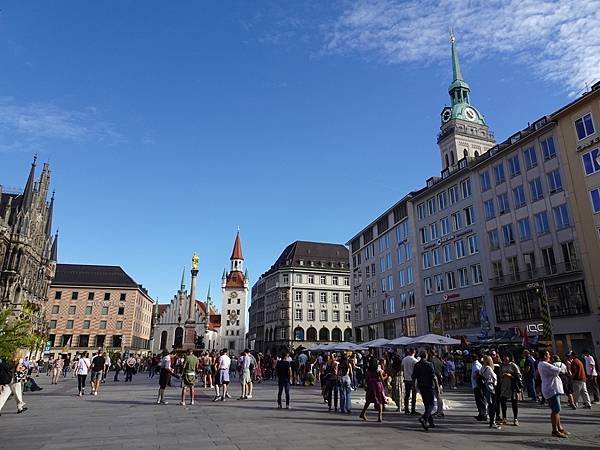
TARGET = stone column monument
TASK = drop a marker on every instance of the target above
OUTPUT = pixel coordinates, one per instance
(189, 340)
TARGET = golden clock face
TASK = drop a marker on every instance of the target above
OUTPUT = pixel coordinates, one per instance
(233, 294)
(233, 316)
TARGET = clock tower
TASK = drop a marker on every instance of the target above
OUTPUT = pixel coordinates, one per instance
(234, 288)
(464, 132)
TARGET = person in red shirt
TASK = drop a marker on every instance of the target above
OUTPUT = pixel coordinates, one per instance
(579, 379)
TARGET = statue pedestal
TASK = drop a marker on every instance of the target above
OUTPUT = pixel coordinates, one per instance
(189, 339)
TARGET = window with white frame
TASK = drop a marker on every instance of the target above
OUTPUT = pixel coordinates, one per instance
(476, 274)
(465, 186)
(460, 248)
(450, 281)
(595, 195)
(298, 295)
(346, 297)
(442, 200)
(554, 182)
(469, 215)
(439, 283)
(445, 225)
(323, 315)
(431, 206)
(519, 196)
(484, 180)
(591, 161)
(514, 166)
(561, 216)
(323, 297)
(298, 314)
(548, 149)
(448, 252)
(411, 299)
(428, 286)
(530, 157)
(584, 126)
(463, 277)
(311, 296)
(473, 244)
(453, 194)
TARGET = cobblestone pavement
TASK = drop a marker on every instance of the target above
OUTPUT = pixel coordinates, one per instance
(124, 415)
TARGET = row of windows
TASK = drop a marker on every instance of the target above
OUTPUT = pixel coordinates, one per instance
(83, 340)
(444, 199)
(449, 281)
(323, 315)
(524, 228)
(323, 279)
(86, 324)
(450, 251)
(455, 222)
(90, 296)
(323, 296)
(519, 198)
(514, 164)
(530, 266)
(88, 310)
(406, 301)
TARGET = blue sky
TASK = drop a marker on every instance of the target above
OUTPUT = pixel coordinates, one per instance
(169, 124)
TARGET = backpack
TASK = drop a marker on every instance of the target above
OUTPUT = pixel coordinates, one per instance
(7, 373)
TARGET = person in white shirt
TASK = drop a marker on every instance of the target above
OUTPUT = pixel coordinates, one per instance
(478, 389)
(552, 388)
(165, 376)
(592, 376)
(223, 365)
(82, 367)
(245, 379)
(408, 365)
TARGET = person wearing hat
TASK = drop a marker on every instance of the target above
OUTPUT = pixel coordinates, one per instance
(579, 380)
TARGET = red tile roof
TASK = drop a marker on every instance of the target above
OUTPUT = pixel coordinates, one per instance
(237, 248)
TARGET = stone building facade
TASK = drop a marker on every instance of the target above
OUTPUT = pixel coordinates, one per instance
(505, 233)
(170, 322)
(93, 307)
(28, 249)
(302, 299)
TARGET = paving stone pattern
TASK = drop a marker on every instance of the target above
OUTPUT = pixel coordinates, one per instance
(124, 415)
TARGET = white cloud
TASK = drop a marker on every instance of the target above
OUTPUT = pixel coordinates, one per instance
(558, 40)
(26, 126)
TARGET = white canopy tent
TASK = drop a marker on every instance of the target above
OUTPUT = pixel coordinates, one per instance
(377, 343)
(433, 339)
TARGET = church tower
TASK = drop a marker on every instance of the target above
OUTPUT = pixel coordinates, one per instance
(234, 288)
(464, 132)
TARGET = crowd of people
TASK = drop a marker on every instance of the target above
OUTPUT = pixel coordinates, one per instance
(390, 378)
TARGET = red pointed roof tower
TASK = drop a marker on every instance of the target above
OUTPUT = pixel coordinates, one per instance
(236, 277)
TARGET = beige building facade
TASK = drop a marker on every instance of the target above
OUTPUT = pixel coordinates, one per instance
(304, 298)
(91, 307)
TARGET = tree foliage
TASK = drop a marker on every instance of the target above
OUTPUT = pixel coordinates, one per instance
(15, 333)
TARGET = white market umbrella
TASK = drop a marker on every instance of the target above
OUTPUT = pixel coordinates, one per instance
(377, 343)
(344, 347)
(434, 339)
(404, 340)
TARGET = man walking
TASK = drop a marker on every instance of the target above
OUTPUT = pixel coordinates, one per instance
(164, 376)
(106, 366)
(579, 380)
(408, 364)
(424, 375)
(188, 377)
(592, 376)
(529, 375)
(130, 368)
(477, 386)
(245, 380)
(284, 375)
(97, 369)
(223, 365)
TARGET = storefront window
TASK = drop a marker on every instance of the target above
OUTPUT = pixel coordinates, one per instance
(567, 299)
(456, 315)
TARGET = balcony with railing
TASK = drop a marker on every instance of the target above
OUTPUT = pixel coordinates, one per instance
(536, 274)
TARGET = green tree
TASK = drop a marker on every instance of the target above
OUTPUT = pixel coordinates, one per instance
(15, 333)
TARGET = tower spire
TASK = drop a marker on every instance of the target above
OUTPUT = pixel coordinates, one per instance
(456, 73)
(182, 285)
(237, 248)
(54, 249)
(29, 186)
(48, 229)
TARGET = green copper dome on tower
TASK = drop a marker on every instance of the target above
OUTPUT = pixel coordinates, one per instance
(460, 94)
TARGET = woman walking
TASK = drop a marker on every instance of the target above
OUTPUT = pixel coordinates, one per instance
(57, 367)
(510, 385)
(13, 375)
(345, 377)
(490, 380)
(375, 392)
(81, 370)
